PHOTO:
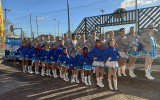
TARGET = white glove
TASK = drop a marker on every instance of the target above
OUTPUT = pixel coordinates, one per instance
(109, 58)
(45, 56)
(84, 63)
(51, 57)
(95, 58)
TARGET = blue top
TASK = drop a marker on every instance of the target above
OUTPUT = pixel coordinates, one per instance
(53, 54)
(64, 59)
(85, 60)
(59, 50)
(96, 54)
(111, 52)
(33, 52)
(39, 55)
(45, 54)
(71, 61)
(22, 50)
(76, 60)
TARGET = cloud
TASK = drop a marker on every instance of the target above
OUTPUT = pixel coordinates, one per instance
(131, 3)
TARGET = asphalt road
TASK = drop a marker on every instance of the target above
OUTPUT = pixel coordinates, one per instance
(15, 85)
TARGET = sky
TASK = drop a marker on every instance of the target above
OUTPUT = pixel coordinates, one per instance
(48, 10)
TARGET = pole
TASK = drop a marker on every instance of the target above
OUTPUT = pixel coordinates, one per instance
(136, 16)
(5, 11)
(32, 36)
(68, 18)
(58, 27)
(37, 25)
(55, 26)
(102, 10)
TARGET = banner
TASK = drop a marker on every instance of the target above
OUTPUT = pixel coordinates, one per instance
(12, 44)
(1, 20)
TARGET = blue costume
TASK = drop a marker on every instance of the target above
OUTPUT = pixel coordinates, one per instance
(85, 61)
(64, 59)
(96, 54)
(59, 51)
(22, 51)
(113, 54)
(39, 55)
(34, 53)
(46, 56)
(71, 63)
(77, 63)
(53, 56)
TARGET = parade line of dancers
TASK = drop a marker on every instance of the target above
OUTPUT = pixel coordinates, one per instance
(83, 57)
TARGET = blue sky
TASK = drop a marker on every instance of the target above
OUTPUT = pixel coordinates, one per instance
(47, 10)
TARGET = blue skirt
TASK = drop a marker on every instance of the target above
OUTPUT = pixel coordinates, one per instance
(46, 60)
(35, 58)
(79, 67)
(152, 54)
(87, 67)
(53, 61)
(134, 54)
(71, 67)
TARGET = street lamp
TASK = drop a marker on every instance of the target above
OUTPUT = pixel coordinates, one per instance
(55, 25)
(102, 10)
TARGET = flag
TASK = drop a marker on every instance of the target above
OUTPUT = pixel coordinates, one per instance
(1, 20)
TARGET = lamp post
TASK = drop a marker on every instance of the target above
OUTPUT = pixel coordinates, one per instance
(55, 26)
(102, 10)
(68, 18)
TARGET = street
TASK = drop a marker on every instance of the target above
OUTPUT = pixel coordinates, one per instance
(15, 85)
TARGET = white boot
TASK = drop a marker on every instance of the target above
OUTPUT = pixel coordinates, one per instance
(82, 77)
(55, 72)
(60, 71)
(119, 71)
(49, 72)
(147, 74)
(31, 70)
(76, 78)
(123, 70)
(101, 81)
(85, 80)
(36, 70)
(110, 84)
(115, 84)
(64, 77)
(72, 79)
(67, 77)
(28, 69)
(131, 73)
(98, 82)
(23, 68)
(89, 80)
(42, 71)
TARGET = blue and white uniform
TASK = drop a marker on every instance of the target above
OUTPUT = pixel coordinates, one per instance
(96, 54)
(111, 55)
(77, 63)
(53, 56)
(46, 56)
(85, 61)
(64, 59)
(71, 63)
(34, 54)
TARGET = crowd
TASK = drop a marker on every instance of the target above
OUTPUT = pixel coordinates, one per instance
(83, 57)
